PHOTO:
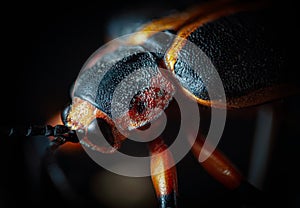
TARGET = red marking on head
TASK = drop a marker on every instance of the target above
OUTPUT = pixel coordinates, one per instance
(146, 106)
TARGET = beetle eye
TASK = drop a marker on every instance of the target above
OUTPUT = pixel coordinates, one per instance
(64, 115)
(96, 129)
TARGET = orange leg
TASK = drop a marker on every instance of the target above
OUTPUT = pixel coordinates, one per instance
(164, 179)
(218, 166)
(224, 171)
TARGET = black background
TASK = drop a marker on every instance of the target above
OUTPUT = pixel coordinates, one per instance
(44, 46)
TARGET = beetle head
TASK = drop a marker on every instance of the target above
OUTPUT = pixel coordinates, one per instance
(91, 123)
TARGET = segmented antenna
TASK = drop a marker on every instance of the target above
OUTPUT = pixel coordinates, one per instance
(61, 133)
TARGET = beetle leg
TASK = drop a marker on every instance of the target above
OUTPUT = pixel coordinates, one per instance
(224, 171)
(164, 179)
(218, 166)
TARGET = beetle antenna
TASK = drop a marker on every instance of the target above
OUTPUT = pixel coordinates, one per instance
(61, 133)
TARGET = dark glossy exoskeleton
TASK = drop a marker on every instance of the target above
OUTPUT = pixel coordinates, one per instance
(236, 38)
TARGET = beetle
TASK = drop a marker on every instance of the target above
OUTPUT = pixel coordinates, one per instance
(234, 35)
(226, 32)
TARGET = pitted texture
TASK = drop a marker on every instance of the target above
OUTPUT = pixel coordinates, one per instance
(112, 82)
(241, 52)
(88, 80)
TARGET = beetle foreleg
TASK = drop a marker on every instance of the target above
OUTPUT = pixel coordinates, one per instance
(164, 179)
